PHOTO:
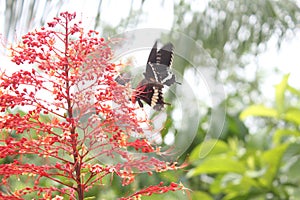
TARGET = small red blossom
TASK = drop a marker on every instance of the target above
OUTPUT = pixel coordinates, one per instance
(142, 144)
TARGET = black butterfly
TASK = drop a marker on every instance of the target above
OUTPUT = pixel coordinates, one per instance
(158, 73)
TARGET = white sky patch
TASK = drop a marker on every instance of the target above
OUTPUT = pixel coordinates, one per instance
(287, 60)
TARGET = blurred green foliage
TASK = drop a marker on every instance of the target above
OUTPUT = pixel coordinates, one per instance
(248, 170)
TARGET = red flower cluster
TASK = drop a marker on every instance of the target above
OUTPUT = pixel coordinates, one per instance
(155, 189)
(75, 114)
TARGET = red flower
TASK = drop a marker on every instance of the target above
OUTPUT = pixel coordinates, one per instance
(75, 114)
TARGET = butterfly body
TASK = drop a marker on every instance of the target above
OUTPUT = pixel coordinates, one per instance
(150, 93)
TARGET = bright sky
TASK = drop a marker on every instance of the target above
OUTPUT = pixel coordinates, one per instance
(286, 59)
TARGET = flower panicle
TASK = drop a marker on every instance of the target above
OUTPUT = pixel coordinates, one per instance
(76, 113)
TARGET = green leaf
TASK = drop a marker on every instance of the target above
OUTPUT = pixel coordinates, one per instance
(216, 186)
(89, 198)
(207, 148)
(168, 124)
(17, 110)
(280, 90)
(272, 161)
(293, 115)
(258, 110)
(279, 134)
(65, 180)
(238, 186)
(218, 164)
(196, 195)
(236, 127)
(232, 183)
(269, 9)
(292, 163)
(45, 118)
(293, 90)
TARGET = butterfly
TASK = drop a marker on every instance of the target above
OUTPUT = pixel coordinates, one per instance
(158, 73)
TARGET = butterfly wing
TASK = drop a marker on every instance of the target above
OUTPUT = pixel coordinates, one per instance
(162, 74)
(165, 55)
(158, 68)
(150, 73)
(153, 54)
